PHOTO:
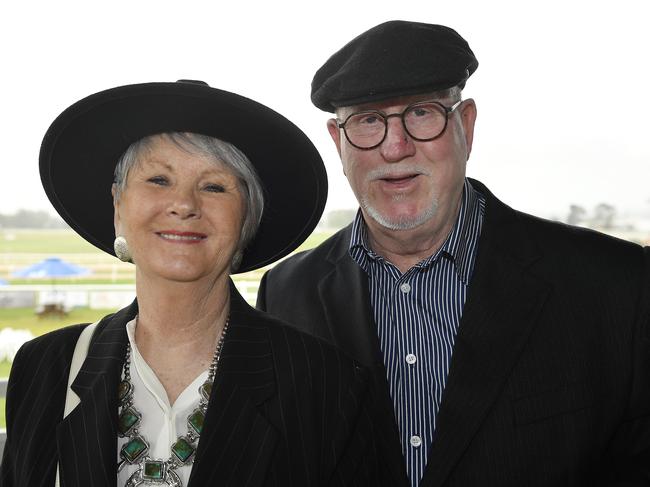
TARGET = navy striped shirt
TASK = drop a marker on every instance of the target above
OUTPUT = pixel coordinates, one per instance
(417, 315)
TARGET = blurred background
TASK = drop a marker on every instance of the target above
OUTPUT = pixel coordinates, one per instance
(561, 90)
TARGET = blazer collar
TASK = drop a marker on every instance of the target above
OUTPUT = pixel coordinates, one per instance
(504, 301)
(234, 428)
(351, 326)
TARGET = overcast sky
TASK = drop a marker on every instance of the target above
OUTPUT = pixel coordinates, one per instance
(561, 88)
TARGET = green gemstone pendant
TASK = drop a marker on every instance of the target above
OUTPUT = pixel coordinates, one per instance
(134, 449)
(196, 420)
(183, 449)
(124, 390)
(127, 420)
(153, 470)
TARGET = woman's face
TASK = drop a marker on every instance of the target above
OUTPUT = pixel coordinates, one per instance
(180, 213)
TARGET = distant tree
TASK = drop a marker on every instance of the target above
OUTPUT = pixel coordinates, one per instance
(604, 216)
(577, 215)
(31, 219)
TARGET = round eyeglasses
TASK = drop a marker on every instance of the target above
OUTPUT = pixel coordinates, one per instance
(423, 121)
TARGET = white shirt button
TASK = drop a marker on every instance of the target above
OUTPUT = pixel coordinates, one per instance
(415, 441)
(405, 288)
(411, 359)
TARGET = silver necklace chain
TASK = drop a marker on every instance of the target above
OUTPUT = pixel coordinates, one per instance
(182, 451)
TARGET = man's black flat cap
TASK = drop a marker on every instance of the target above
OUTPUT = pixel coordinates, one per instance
(396, 58)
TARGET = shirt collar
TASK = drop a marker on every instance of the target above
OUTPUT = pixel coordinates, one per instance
(460, 245)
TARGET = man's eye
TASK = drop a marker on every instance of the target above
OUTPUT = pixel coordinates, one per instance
(420, 112)
(369, 119)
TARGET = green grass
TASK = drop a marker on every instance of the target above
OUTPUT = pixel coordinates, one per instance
(314, 240)
(25, 318)
(78, 280)
(64, 241)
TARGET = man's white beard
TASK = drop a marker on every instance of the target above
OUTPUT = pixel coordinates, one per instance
(401, 222)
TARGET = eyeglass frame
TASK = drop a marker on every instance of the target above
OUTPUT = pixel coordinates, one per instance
(447, 110)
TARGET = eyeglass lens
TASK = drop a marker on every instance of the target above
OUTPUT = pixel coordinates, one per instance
(423, 121)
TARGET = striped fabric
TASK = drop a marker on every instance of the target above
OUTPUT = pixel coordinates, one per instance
(417, 316)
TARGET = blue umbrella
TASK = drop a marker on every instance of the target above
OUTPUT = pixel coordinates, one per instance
(52, 268)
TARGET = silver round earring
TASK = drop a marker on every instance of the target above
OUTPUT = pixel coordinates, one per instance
(121, 248)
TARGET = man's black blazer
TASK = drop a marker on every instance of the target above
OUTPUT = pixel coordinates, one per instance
(549, 382)
(286, 410)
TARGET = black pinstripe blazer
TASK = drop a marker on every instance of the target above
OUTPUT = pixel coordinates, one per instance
(549, 383)
(286, 410)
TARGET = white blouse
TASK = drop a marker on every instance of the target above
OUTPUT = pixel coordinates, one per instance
(161, 422)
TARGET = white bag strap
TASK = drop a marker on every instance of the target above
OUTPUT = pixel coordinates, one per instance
(78, 357)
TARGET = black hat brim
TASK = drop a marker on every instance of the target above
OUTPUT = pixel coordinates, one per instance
(82, 146)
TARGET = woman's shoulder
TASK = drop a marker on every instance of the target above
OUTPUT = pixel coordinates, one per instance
(41, 365)
(50, 348)
(54, 340)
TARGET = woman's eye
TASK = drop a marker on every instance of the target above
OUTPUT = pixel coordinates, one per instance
(215, 188)
(159, 180)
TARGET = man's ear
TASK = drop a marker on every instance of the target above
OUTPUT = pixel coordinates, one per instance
(468, 119)
(335, 133)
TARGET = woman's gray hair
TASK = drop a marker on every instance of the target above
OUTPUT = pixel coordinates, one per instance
(223, 153)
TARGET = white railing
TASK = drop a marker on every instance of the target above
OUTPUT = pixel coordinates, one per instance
(96, 296)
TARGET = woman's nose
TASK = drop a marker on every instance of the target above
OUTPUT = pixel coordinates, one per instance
(184, 204)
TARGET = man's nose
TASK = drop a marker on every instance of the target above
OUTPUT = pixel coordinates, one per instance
(398, 144)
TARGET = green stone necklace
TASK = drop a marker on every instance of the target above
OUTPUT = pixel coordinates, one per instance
(135, 451)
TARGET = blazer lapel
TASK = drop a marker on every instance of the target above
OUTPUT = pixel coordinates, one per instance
(237, 442)
(503, 303)
(353, 330)
(87, 437)
(351, 324)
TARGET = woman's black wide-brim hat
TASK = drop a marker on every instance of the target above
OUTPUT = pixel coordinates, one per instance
(82, 146)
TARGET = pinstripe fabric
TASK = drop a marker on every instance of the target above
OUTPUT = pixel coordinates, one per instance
(36, 439)
(286, 410)
(417, 315)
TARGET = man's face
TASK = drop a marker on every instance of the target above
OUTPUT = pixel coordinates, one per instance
(404, 183)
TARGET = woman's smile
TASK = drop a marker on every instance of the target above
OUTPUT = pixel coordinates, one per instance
(182, 237)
